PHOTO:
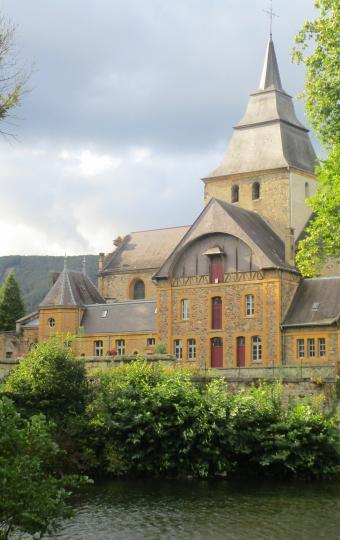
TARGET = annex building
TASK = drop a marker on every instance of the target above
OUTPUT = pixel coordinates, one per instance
(224, 292)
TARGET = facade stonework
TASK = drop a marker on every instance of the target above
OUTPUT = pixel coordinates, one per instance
(119, 286)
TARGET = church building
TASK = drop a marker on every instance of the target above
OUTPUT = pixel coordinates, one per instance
(223, 293)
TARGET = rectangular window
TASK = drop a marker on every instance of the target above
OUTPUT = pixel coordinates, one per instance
(191, 349)
(300, 348)
(311, 348)
(185, 310)
(104, 313)
(120, 346)
(322, 347)
(250, 305)
(256, 348)
(98, 348)
(178, 349)
(150, 341)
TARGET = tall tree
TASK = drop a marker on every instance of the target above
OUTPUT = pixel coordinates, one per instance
(11, 303)
(318, 48)
(12, 76)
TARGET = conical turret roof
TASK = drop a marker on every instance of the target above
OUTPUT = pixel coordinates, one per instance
(72, 289)
(269, 136)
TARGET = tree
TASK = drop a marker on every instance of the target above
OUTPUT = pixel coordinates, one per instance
(11, 303)
(322, 95)
(32, 495)
(12, 78)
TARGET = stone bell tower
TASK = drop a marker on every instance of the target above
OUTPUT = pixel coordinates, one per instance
(269, 164)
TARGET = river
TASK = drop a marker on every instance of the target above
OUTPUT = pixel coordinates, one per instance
(196, 510)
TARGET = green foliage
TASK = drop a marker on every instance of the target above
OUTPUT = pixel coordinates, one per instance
(322, 95)
(11, 303)
(32, 495)
(323, 234)
(49, 380)
(161, 348)
(154, 421)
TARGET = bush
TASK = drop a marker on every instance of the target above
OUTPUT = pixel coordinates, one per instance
(32, 495)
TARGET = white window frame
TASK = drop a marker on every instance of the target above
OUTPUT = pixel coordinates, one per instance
(120, 347)
(300, 347)
(185, 309)
(256, 348)
(51, 322)
(178, 349)
(150, 341)
(98, 347)
(311, 348)
(191, 349)
(322, 347)
(250, 305)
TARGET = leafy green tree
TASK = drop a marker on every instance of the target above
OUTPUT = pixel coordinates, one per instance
(12, 78)
(33, 496)
(317, 47)
(11, 303)
(49, 380)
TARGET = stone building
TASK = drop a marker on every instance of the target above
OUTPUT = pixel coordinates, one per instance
(224, 292)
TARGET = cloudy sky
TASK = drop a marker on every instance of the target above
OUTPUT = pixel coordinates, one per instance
(131, 103)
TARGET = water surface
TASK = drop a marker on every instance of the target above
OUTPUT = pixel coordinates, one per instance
(196, 510)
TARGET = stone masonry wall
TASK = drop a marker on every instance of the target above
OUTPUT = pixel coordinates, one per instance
(119, 286)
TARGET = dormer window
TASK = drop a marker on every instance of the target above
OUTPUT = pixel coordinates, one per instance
(235, 193)
(104, 313)
(255, 191)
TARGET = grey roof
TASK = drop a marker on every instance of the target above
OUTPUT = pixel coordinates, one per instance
(121, 317)
(221, 217)
(144, 249)
(316, 302)
(72, 289)
(269, 136)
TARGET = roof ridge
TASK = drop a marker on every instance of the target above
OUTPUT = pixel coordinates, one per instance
(161, 229)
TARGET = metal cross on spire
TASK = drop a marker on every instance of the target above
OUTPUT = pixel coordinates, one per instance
(271, 14)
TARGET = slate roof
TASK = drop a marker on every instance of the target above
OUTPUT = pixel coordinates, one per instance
(269, 136)
(144, 249)
(222, 217)
(72, 289)
(316, 303)
(121, 317)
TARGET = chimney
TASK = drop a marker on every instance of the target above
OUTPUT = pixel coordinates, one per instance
(289, 246)
(101, 261)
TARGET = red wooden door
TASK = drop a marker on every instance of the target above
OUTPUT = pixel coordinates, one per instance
(216, 353)
(241, 351)
(216, 313)
(216, 269)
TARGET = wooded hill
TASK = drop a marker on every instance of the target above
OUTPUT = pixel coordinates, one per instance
(33, 273)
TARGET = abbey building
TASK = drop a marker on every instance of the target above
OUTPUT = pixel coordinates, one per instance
(223, 293)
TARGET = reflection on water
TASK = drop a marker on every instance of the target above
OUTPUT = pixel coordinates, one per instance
(152, 510)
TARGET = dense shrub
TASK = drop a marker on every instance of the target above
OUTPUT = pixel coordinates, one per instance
(149, 420)
(33, 493)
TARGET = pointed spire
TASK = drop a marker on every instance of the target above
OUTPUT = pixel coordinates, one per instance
(84, 265)
(65, 263)
(270, 79)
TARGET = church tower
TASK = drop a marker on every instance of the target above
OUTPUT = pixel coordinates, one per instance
(269, 164)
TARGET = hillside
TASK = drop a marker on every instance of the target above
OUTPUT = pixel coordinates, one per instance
(33, 273)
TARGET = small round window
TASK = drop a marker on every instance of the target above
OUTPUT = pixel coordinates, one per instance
(51, 322)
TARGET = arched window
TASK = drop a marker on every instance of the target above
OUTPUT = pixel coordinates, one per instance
(307, 194)
(216, 313)
(255, 190)
(235, 193)
(138, 290)
(51, 322)
(216, 352)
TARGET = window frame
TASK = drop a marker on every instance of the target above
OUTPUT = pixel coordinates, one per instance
(255, 191)
(311, 348)
(322, 347)
(250, 306)
(300, 347)
(120, 347)
(256, 349)
(149, 340)
(235, 193)
(178, 348)
(138, 282)
(191, 349)
(98, 347)
(185, 309)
